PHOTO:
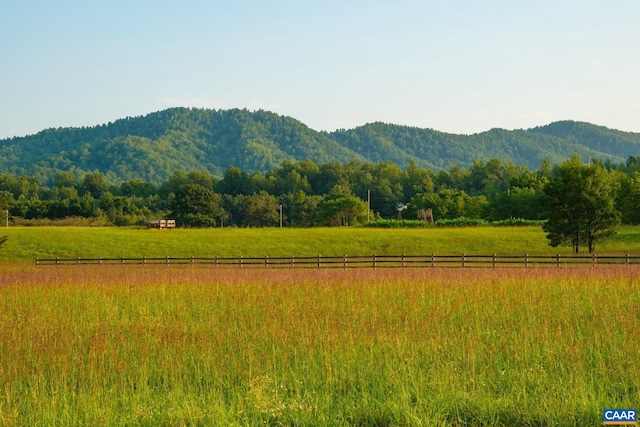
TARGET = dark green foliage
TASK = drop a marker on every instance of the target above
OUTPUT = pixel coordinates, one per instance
(461, 222)
(235, 181)
(516, 222)
(95, 184)
(302, 209)
(155, 146)
(579, 205)
(394, 223)
(342, 210)
(261, 210)
(194, 205)
(450, 204)
(628, 200)
(331, 194)
(597, 140)
(436, 150)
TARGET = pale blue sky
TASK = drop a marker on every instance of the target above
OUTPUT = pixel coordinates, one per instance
(456, 66)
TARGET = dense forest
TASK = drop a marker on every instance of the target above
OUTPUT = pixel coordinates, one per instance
(311, 194)
(156, 146)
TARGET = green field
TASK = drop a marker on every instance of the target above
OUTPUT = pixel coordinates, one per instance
(27, 243)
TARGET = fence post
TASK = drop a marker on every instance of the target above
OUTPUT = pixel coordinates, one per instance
(344, 261)
(526, 260)
(318, 261)
(374, 260)
(627, 259)
(433, 260)
(144, 260)
(167, 260)
(402, 260)
(36, 261)
(121, 260)
(557, 260)
(463, 260)
(291, 261)
(240, 261)
(493, 261)
(266, 261)
(191, 259)
(216, 261)
(100, 260)
(593, 260)
(77, 260)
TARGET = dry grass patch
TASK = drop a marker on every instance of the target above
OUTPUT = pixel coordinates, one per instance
(157, 345)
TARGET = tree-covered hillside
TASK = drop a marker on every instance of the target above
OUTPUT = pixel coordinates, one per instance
(155, 146)
(438, 150)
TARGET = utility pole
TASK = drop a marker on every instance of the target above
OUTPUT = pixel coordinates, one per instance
(280, 216)
(368, 203)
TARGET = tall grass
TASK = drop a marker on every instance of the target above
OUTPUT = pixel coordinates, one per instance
(27, 243)
(112, 345)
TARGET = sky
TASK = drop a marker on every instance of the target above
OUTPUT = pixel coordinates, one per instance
(459, 66)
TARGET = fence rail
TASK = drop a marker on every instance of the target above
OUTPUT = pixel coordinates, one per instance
(373, 261)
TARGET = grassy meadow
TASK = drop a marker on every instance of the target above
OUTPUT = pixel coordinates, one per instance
(27, 243)
(195, 345)
(149, 346)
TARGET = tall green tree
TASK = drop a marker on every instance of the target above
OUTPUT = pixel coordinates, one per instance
(234, 182)
(449, 204)
(5, 199)
(95, 184)
(416, 181)
(579, 205)
(629, 198)
(195, 206)
(261, 210)
(26, 186)
(300, 210)
(341, 208)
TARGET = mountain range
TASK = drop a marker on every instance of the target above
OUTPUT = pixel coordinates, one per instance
(154, 146)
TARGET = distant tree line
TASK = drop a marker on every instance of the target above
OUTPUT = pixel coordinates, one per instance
(327, 194)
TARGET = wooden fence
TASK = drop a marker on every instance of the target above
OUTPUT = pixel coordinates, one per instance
(373, 261)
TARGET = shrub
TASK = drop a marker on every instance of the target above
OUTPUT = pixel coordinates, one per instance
(457, 222)
(461, 222)
(514, 222)
(394, 223)
(70, 221)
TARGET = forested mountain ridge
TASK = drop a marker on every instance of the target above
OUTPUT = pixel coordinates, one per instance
(438, 150)
(597, 138)
(154, 146)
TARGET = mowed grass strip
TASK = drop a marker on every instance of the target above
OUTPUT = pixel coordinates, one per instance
(113, 345)
(27, 243)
